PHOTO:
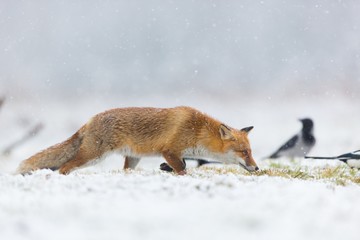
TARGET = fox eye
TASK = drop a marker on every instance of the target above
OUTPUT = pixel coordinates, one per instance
(245, 152)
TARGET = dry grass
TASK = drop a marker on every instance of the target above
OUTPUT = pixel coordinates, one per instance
(340, 175)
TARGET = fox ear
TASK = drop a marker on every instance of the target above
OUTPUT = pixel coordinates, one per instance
(225, 132)
(247, 129)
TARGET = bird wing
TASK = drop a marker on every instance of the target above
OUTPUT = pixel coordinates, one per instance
(289, 144)
(352, 155)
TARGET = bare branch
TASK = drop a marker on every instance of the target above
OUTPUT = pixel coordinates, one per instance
(30, 134)
(2, 100)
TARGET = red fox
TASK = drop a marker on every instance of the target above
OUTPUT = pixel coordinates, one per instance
(174, 133)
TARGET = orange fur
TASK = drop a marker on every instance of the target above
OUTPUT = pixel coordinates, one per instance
(173, 133)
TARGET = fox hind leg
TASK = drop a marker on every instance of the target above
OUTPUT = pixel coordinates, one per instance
(131, 162)
(80, 159)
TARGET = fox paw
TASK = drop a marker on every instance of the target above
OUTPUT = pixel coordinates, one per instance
(182, 172)
(64, 171)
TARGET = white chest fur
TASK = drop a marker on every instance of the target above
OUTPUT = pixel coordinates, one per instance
(202, 152)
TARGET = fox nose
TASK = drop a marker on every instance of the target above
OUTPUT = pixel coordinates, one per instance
(251, 168)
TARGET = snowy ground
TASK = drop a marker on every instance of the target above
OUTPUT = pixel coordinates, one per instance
(153, 205)
(103, 202)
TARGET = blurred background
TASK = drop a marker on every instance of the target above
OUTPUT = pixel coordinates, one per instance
(262, 63)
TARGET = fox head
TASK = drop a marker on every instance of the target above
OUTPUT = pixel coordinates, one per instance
(237, 147)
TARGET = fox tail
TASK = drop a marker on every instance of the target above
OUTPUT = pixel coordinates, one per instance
(53, 157)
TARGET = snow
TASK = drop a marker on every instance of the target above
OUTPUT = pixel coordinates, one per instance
(155, 205)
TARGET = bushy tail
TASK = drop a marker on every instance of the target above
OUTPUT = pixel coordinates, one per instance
(53, 157)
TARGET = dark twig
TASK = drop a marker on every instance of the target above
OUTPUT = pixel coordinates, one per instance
(2, 100)
(30, 134)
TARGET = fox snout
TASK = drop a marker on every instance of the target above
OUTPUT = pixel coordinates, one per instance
(247, 162)
(251, 168)
(249, 165)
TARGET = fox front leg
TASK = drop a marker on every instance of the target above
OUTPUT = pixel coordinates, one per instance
(166, 167)
(174, 162)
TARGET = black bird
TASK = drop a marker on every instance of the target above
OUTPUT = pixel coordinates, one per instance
(352, 159)
(300, 144)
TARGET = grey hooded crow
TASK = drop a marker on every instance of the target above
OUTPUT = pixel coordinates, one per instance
(300, 144)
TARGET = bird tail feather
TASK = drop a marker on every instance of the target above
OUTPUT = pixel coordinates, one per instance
(312, 157)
